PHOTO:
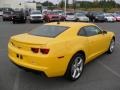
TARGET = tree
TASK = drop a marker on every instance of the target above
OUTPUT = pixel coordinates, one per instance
(47, 3)
(62, 4)
(74, 4)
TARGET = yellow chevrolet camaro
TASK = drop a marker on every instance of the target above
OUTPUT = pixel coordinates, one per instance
(60, 49)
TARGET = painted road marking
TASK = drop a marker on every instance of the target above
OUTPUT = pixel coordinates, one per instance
(109, 69)
(16, 83)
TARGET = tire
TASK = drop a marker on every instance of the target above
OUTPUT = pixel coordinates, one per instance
(31, 21)
(43, 21)
(24, 21)
(13, 22)
(3, 19)
(75, 67)
(93, 20)
(63, 19)
(77, 20)
(111, 46)
(48, 20)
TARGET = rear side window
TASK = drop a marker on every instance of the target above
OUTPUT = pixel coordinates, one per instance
(82, 32)
(89, 31)
(92, 30)
(48, 31)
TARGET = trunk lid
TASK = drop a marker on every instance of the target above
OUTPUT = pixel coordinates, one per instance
(26, 41)
(31, 39)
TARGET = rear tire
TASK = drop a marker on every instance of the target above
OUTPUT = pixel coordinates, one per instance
(75, 67)
(111, 46)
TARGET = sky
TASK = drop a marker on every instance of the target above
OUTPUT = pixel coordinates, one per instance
(56, 1)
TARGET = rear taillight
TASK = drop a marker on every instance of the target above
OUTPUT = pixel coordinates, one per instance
(35, 50)
(44, 51)
(41, 50)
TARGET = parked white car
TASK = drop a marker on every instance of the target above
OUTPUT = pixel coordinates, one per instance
(82, 17)
(35, 16)
(109, 18)
(71, 17)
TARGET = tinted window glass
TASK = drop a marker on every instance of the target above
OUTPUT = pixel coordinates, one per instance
(80, 14)
(7, 12)
(92, 30)
(82, 32)
(69, 13)
(48, 30)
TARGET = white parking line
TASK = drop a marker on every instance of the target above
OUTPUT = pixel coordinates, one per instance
(109, 69)
(16, 83)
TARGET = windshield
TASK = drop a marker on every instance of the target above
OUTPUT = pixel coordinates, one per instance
(80, 14)
(36, 13)
(53, 12)
(70, 14)
(116, 15)
(101, 15)
(18, 13)
(7, 12)
(48, 30)
(108, 15)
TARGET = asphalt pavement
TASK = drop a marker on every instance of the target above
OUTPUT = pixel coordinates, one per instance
(101, 74)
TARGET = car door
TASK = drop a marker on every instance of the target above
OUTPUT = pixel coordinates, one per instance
(96, 41)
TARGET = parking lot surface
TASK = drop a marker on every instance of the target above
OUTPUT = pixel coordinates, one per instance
(101, 74)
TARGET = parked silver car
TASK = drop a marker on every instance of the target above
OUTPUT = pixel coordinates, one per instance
(71, 16)
(82, 17)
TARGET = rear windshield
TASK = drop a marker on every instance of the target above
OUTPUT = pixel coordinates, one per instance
(48, 31)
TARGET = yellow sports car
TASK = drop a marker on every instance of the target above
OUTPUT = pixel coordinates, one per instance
(60, 49)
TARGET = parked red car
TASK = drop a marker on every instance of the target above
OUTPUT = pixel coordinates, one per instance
(53, 16)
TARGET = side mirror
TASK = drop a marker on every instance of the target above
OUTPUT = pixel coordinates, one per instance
(104, 32)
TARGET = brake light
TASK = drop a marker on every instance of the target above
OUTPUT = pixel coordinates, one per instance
(35, 50)
(41, 50)
(44, 51)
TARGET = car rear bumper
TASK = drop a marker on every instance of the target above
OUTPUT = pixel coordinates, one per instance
(51, 66)
(35, 20)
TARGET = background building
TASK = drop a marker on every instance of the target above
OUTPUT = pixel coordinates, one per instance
(11, 4)
(17, 4)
